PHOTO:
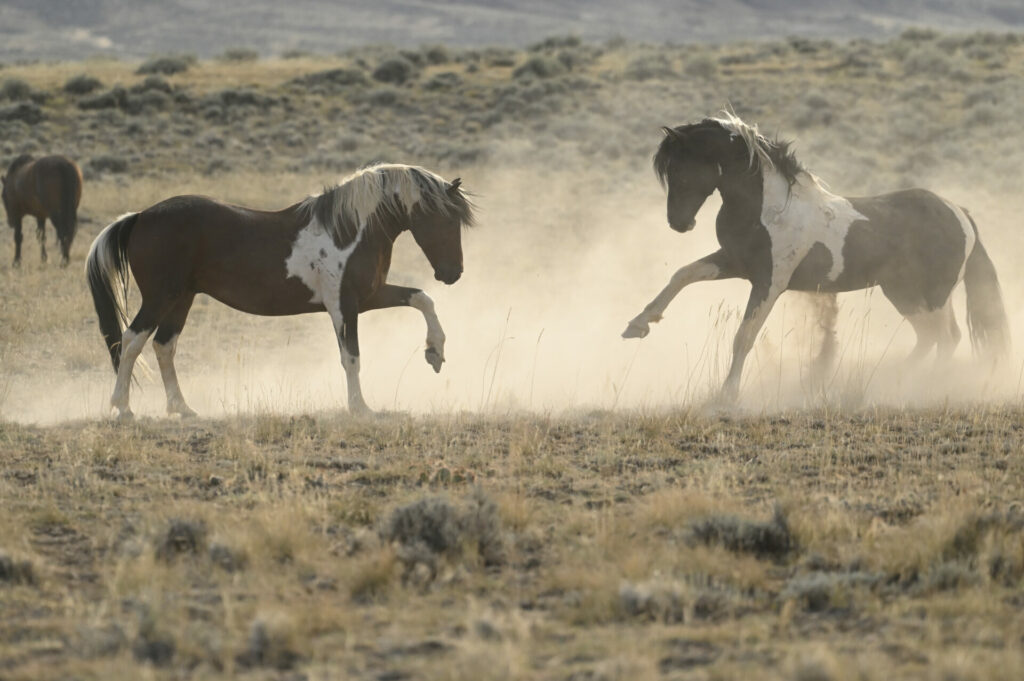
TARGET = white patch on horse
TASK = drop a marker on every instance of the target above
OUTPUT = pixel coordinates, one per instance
(970, 238)
(801, 215)
(318, 263)
(435, 334)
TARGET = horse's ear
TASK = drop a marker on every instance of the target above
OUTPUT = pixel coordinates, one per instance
(671, 133)
(454, 186)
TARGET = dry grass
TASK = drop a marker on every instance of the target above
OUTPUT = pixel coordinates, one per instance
(906, 563)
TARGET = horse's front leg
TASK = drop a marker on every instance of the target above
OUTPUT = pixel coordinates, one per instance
(41, 235)
(762, 299)
(401, 296)
(708, 268)
(345, 316)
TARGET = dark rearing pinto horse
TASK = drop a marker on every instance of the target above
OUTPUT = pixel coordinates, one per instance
(780, 229)
(330, 252)
(48, 187)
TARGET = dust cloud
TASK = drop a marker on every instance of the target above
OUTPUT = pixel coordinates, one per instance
(563, 257)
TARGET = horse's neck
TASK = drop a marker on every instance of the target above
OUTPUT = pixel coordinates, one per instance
(742, 197)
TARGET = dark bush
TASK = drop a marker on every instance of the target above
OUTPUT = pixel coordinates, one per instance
(22, 111)
(443, 81)
(114, 98)
(437, 54)
(151, 83)
(555, 42)
(182, 536)
(396, 71)
(771, 539)
(16, 571)
(224, 557)
(383, 96)
(15, 89)
(539, 67)
(332, 80)
(268, 646)
(239, 54)
(433, 528)
(167, 66)
(82, 84)
(151, 645)
(649, 67)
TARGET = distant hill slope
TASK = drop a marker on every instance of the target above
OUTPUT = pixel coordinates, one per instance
(48, 29)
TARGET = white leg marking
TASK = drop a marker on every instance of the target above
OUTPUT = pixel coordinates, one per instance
(435, 334)
(639, 326)
(949, 334)
(744, 341)
(131, 346)
(356, 403)
(165, 357)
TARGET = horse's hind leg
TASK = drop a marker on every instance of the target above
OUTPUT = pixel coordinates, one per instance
(132, 342)
(949, 334)
(929, 326)
(41, 235)
(16, 226)
(164, 344)
(827, 309)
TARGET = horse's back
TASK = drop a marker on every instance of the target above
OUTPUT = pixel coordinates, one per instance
(202, 245)
(911, 241)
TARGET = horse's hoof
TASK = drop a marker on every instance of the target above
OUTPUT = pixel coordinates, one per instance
(636, 330)
(360, 410)
(124, 416)
(16, 263)
(183, 411)
(434, 359)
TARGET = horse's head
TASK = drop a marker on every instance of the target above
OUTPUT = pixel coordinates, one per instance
(437, 228)
(690, 162)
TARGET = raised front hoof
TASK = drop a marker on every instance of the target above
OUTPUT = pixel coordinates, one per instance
(434, 359)
(636, 330)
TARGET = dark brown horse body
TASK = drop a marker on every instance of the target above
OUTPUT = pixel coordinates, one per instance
(48, 187)
(329, 253)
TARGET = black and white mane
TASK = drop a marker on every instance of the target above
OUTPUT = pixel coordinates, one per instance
(344, 209)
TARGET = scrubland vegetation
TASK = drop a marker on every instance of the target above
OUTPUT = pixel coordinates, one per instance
(587, 543)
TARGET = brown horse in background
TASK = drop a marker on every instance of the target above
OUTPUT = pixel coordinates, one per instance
(328, 253)
(48, 187)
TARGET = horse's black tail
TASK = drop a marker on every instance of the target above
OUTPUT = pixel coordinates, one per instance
(986, 316)
(107, 270)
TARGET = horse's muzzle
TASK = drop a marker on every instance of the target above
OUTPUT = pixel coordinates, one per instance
(684, 227)
(448, 276)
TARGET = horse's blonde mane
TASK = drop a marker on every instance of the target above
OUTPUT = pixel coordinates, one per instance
(392, 187)
(757, 144)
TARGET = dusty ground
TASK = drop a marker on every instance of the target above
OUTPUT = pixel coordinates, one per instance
(557, 504)
(654, 545)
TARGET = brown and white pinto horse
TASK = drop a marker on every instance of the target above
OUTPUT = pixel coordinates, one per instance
(328, 253)
(48, 187)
